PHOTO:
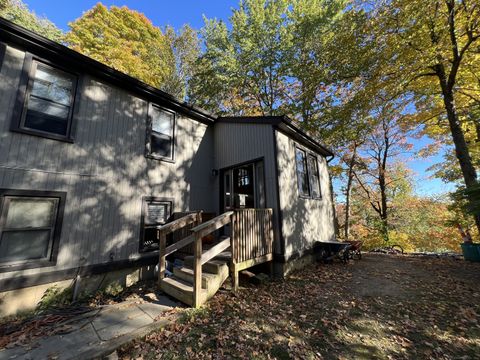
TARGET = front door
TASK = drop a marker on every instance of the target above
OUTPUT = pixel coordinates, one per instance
(243, 187)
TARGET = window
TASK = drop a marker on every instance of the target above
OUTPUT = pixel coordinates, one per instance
(155, 212)
(308, 177)
(30, 226)
(302, 174)
(314, 176)
(160, 137)
(46, 100)
(243, 177)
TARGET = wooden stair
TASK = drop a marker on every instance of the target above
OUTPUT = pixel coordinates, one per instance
(250, 243)
(180, 285)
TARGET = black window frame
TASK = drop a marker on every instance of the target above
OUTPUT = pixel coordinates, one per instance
(60, 196)
(306, 176)
(308, 173)
(150, 133)
(23, 95)
(144, 223)
(311, 174)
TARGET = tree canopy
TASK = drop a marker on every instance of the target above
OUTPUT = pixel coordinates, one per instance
(125, 40)
(17, 12)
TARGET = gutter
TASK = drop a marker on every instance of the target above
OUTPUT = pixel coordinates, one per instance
(29, 41)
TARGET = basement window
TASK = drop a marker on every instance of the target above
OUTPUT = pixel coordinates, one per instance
(30, 227)
(160, 133)
(155, 212)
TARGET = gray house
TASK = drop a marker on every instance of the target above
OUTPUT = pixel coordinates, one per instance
(94, 163)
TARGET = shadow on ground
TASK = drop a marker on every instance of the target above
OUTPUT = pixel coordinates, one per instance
(380, 307)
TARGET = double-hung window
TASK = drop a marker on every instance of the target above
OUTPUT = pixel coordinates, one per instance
(160, 138)
(302, 173)
(46, 101)
(314, 177)
(30, 225)
(308, 178)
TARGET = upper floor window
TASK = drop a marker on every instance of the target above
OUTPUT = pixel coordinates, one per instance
(308, 177)
(48, 101)
(160, 139)
(30, 223)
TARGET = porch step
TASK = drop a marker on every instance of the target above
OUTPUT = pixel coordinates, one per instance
(180, 285)
(181, 290)
(225, 256)
(186, 274)
(213, 266)
(210, 282)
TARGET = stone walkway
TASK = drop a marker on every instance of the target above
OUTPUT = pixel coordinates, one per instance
(99, 332)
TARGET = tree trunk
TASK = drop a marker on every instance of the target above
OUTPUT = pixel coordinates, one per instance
(383, 201)
(461, 149)
(350, 175)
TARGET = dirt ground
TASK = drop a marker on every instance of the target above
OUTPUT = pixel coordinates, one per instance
(380, 307)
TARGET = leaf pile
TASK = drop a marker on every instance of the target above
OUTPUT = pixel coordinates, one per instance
(386, 307)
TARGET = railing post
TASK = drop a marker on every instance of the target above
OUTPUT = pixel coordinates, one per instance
(162, 241)
(233, 248)
(197, 266)
(197, 271)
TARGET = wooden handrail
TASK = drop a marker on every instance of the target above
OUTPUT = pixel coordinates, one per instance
(198, 258)
(178, 224)
(212, 225)
(164, 230)
(214, 251)
(179, 244)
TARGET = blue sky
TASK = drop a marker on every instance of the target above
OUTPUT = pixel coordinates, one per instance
(161, 12)
(178, 12)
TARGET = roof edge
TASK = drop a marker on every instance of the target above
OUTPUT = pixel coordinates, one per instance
(41, 46)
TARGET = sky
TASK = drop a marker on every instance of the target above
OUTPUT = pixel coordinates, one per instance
(162, 12)
(179, 12)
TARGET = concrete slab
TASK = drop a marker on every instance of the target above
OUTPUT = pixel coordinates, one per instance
(111, 317)
(124, 327)
(154, 310)
(97, 333)
(56, 346)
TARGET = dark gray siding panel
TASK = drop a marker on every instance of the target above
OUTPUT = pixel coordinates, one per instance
(237, 143)
(104, 172)
(305, 221)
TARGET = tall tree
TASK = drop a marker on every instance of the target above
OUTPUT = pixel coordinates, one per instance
(125, 40)
(270, 61)
(17, 11)
(185, 46)
(426, 48)
(386, 142)
(242, 70)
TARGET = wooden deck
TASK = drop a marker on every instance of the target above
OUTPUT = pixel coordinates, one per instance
(250, 241)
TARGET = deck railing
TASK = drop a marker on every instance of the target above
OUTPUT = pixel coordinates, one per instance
(252, 243)
(250, 240)
(253, 234)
